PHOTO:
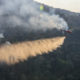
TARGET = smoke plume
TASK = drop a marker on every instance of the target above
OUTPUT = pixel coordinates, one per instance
(17, 17)
(15, 53)
(27, 14)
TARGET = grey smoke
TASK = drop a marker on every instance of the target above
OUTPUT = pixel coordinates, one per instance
(26, 14)
(1, 36)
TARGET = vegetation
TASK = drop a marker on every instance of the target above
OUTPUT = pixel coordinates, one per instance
(62, 64)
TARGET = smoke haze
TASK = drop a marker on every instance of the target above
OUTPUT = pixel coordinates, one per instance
(27, 14)
(20, 16)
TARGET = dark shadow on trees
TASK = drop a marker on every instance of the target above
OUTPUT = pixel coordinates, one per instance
(62, 64)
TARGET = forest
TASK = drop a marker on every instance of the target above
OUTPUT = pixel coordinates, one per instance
(61, 64)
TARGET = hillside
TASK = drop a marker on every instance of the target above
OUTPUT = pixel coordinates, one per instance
(73, 19)
(60, 64)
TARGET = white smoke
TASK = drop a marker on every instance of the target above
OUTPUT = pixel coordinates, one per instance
(1, 36)
(26, 13)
